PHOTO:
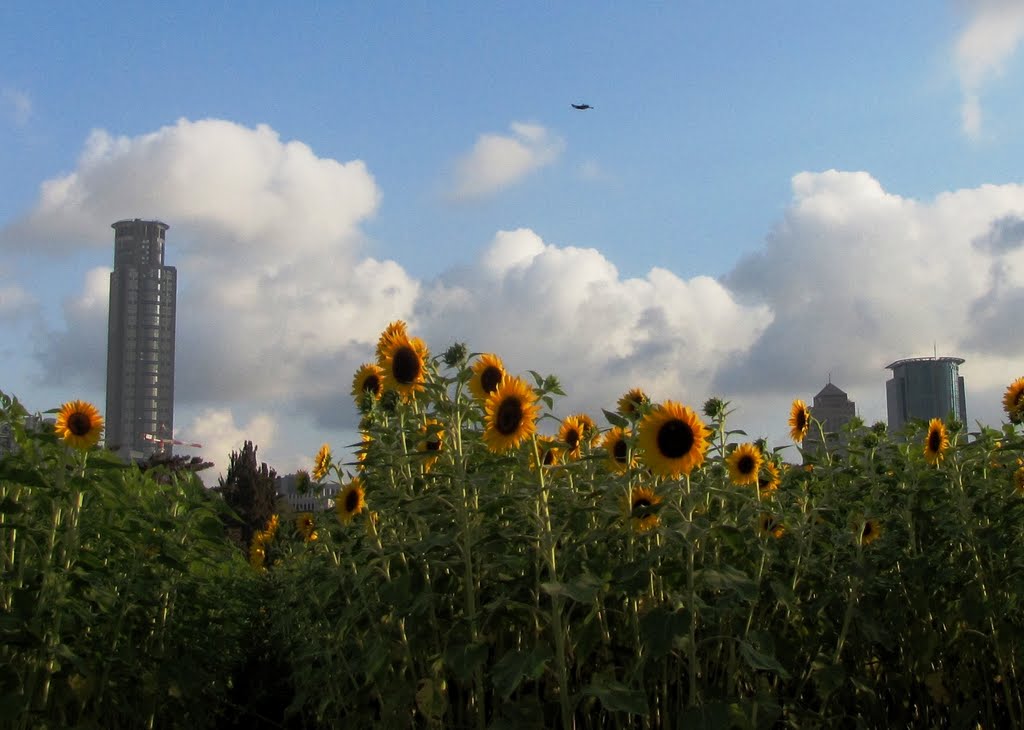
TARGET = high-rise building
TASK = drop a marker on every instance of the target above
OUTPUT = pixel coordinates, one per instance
(140, 342)
(833, 409)
(925, 388)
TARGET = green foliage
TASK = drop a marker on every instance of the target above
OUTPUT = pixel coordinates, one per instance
(249, 489)
(863, 588)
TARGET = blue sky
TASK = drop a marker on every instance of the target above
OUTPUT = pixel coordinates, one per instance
(763, 194)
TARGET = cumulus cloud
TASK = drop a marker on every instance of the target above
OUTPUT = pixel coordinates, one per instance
(219, 432)
(993, 33)
(858, 277)
(498, 161)
(566, 311)
(17, 105)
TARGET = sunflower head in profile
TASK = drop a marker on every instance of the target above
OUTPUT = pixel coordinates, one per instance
(257, 555)
(642, 507)
(936, 441)
(869, 531)
(587, 427)
(79, 424)
(368, 382)
(616, 445)
(571, 437)
(744, 464)
(1018, 478)
(322, 462)
(799, 420)
(510, 414)
(306, 526)
(404, 363)
(395, 330)
(431, 442)
(672, 439)
(768, 525)
(351, 501)
(488, 370)
(549, 451)
(769, 478)
(1013, 401)
(632, 403)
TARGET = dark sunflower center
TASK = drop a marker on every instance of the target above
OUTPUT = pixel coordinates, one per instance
(352, 500)
(675, 439)
(869, 530)
(549, 457)
(934, 440)
(641, 502)
(769, 524)
(1017, 398)
(619, 451)
(745, 464)
(801, 420)
(407, 365)
(434, 444)
(572, 438)
(490, 378)
(79, 424)
(509, 416)
(371, 384)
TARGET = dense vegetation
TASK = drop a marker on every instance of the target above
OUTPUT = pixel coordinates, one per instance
(661, 572)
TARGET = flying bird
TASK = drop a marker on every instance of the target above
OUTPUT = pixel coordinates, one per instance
(582, 106)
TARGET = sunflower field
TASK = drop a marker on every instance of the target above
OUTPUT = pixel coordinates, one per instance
(492, 562)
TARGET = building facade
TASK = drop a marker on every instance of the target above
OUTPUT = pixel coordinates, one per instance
(140, 342)
(832, 408)
(925, 388)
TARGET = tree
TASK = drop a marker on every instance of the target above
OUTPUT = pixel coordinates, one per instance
(163, 467)
(250, 489)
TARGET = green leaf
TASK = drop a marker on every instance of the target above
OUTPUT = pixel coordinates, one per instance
(617, 697)
(757, 659)
(583, 589)
(615, 419)
(509, 672)
(464, 659)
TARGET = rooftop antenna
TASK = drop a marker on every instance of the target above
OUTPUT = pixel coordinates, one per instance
(935, 352)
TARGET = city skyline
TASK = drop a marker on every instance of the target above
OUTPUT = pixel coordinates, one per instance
(757, 197)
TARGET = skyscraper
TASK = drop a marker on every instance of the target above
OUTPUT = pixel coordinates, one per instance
(140, 342)
(925, 388)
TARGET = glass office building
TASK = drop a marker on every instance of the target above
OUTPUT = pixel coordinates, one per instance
(925, 388)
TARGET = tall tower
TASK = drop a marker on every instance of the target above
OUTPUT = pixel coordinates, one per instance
(925, 388)
(140, 341)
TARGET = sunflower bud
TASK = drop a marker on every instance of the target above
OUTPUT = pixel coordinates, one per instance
(455, 356)
(714, 408)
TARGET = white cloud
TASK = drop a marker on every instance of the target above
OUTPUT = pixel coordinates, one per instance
(17, 105)
(219, 433)
(566, 311)
(993, 34)
(499, 161)
(858, 277)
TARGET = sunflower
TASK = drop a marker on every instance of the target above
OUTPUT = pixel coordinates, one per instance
(351, 501)
(616, 443)
(510, 414)
(79, 424)
(672, 439)
(257, 555)
(936, 442)
(799, 420)
(306, 526)
(550, 454)
(769, 526)
(1018, 480)
(432, 442)
(488, 370)
(571, 434)
(768, 480)
(404, 364)
(1013, 401)
(870, 531)
(632, 402)
(744, 464)
(395, 330)
(369, 378)
(641, 506)
(587, 427)
(322, 462)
